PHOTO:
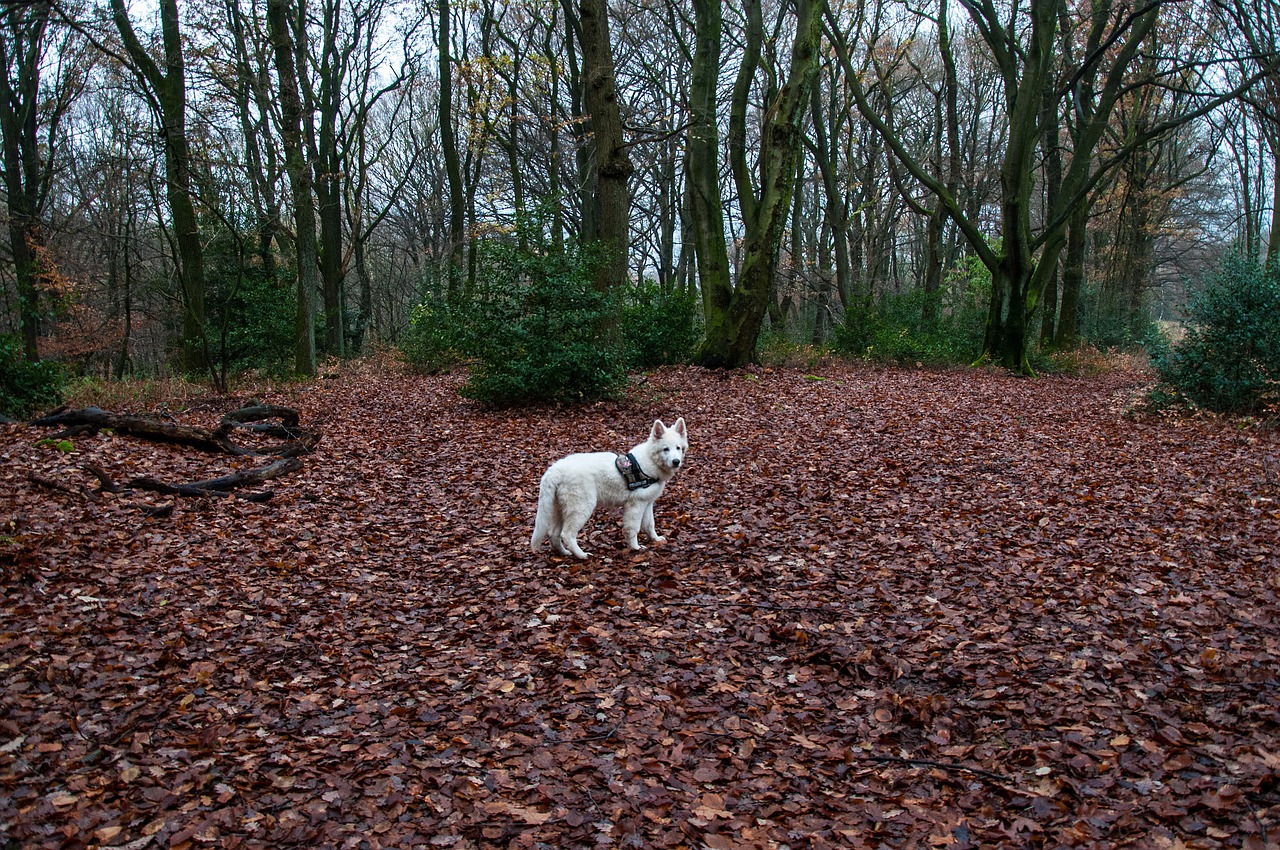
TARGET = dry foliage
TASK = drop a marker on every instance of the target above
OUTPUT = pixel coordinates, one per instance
(898, 609)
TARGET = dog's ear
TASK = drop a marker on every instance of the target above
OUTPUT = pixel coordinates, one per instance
(658, 429)
(679, 428)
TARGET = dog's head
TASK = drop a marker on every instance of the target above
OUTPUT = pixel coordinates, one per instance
(668, 446)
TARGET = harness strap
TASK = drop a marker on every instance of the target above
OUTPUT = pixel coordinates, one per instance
(632, 473)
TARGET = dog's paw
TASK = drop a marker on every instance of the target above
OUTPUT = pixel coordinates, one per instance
(659, 539)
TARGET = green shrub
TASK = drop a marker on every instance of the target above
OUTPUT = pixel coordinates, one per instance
(260, 330)
(1229, 360)
(250, 312)
(898, 327)
(1108, 321)
(660, 326)
(436, 338)
(535, 329)
(26, 387)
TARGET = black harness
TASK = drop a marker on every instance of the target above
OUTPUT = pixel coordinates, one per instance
(632, 473)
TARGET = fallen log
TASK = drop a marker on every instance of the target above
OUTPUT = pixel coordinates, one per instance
(295, 440)
(223, 485)
(146, 427)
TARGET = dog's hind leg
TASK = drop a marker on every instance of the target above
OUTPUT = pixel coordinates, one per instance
(544, 524)
(555, 527)
(572, 520)
(556, 535)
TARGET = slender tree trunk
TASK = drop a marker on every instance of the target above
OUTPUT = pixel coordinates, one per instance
(21, 52)
(170, 89)
(329, 181)
(1052, 147)
(837, 206)
(589, 223)
(1066, 335)
(1273, 239)
(452, 162)
(706, 207)
(261, 160)
(300, 184)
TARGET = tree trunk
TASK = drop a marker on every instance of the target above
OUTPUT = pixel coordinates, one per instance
(21, 54)
(300, 185)
(329, 183)
(1273, 240)
(706, 208)
(170, 90)
(452, 163)
(836, 206)
(613, 165)
(1066, 335)
(733, 329)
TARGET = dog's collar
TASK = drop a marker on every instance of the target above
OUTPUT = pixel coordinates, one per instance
(632, 473)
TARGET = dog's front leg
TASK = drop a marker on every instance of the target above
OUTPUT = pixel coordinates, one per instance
(646, 524)
(634, 515)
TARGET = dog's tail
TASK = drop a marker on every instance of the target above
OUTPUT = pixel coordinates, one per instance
(546, 511)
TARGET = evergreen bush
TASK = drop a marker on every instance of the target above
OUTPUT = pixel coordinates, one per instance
(1229, 360)
(436, 338)
(660, 326)
(26, 387)
(250, 312)
(534, 329)
(897, 328)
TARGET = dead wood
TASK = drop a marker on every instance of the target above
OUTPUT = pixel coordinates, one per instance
(295, 440)
(59, 487)
(223, 485)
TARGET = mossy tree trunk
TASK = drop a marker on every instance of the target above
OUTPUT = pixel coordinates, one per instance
(735, 314)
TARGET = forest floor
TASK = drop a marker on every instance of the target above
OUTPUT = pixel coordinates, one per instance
(897, 608)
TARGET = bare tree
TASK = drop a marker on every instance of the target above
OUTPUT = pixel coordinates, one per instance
(32, 112)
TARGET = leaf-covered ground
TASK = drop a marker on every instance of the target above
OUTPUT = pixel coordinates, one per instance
(897, 609)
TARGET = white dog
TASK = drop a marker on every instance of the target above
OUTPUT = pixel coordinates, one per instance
(573, 487)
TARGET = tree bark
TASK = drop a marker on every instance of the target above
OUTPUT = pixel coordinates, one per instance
(706, 206)
(22, 35)
(329, 179)
(295, 440)
(452, 162)
(1066, 334)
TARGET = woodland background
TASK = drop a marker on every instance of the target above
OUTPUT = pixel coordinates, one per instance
(905, 606)
(206, 189)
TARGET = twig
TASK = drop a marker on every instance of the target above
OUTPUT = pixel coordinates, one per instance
(50, 484)
(997, 779)
(104, 480)
(761, 605)
(612, 733)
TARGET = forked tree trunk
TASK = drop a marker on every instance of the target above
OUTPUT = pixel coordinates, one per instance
(170, 89)
(735, 317)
